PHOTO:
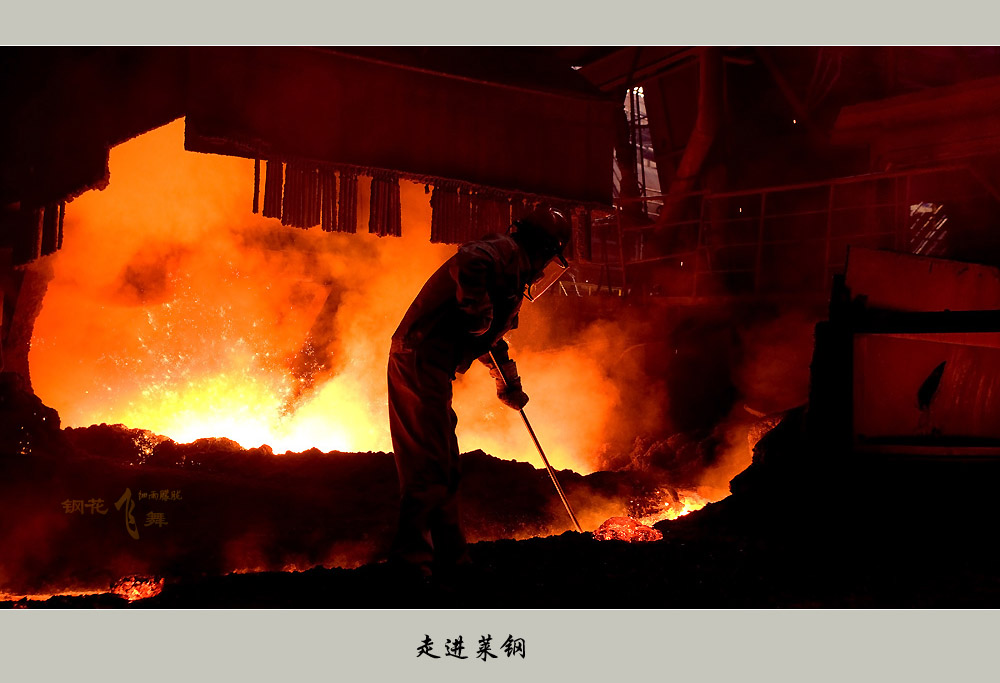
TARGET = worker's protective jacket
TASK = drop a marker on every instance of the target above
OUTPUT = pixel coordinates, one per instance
(467, 306)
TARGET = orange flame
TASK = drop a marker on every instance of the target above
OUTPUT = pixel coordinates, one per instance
(671, 508)
(174, 309)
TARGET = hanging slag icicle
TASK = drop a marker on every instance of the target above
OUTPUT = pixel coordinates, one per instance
(463, 226)
(273, 183)
(445, 218)
(348, 206)
(311, 190)
(328, 199)
(384, 214)
(290, 197)
(256, 185)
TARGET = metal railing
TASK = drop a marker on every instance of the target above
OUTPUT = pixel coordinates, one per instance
(777, 241)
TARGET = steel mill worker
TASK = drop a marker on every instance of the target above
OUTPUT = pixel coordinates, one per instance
(461, 314)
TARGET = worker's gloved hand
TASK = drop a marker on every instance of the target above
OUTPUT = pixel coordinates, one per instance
(509, 392)
(513, 396)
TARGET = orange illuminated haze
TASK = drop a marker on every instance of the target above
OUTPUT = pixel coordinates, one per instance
(175, 309)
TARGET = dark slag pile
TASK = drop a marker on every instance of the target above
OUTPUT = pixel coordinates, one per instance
(803, 528)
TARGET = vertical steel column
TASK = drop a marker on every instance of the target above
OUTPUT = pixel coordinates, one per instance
(641, 175)
(621, 250)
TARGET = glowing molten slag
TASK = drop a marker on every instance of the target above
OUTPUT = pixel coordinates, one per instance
(689, 502)
(134, 588)
(670, 507)
(626, 529)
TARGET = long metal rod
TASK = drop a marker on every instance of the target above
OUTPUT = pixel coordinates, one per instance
(552, 472)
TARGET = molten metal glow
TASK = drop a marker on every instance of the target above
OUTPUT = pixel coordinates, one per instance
(670, 508)
(131, 588)
(134, 588)
(626, 529)
(689, 502)
(175, 309)
(22, 597)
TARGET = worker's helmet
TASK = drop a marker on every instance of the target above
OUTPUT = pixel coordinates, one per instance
(543, 233)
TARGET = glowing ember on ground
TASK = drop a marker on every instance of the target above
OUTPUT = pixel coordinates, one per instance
(669, 504)
(665, 503)
(134, 588)
(22, 598)
(626, 529)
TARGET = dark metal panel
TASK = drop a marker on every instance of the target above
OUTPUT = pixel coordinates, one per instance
(905, 282)
(329, 107)
(910, 388)
(929, 126)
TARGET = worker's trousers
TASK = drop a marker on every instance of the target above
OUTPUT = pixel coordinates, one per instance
(422, 424)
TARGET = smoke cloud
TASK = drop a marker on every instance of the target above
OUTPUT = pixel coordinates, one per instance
(175, 309)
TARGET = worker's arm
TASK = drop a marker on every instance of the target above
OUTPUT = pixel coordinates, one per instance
(471, 271)
(500, 351)
(473, 268)
(504, 371)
